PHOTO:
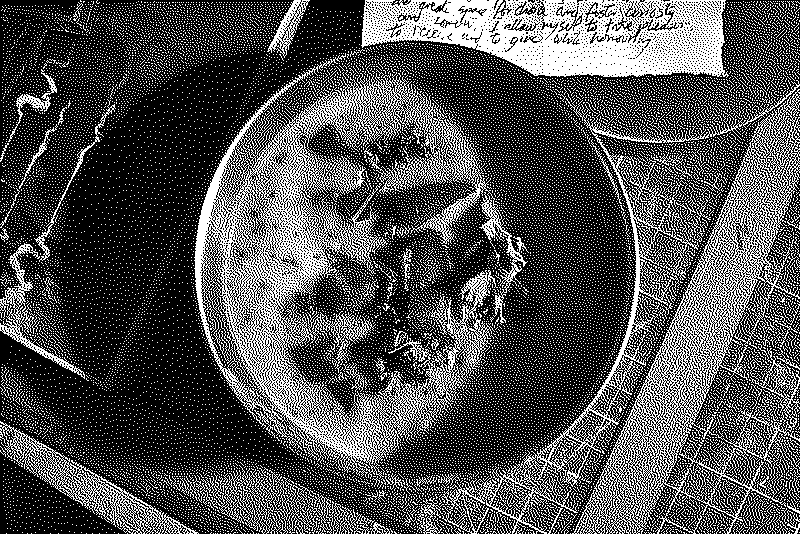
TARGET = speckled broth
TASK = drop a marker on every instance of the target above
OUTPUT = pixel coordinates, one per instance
(284, 218)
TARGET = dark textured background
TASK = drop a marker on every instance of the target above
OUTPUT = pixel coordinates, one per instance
(676, 191)
(33, 506)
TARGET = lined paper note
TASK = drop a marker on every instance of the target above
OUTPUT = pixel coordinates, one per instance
(564, 37)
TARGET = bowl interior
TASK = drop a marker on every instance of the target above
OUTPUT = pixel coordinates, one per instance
(553, 186)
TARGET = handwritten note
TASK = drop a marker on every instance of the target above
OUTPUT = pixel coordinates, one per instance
(564, 37)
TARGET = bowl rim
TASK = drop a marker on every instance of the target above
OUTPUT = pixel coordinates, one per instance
(241, 380)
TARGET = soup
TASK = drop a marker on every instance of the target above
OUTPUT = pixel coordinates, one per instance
(310, 247)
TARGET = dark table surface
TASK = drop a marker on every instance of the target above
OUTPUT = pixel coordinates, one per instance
(31, 505)
(676, 191)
